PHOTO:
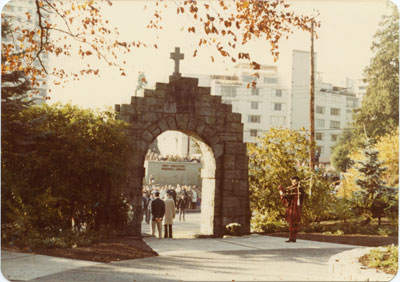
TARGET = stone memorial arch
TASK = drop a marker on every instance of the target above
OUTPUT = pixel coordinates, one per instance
(181, 105)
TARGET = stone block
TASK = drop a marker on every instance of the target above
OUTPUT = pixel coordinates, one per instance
(221, 113)
(229, 161)
(170, 108)
(233, 117)
(244, 185)
(234, 127)
(146, 135)
(152, 127)
(238, 192)
(182, 121)
(141, 146)
(125, 117)
(149, 93)
(162, 124)
(226, 220)
(216, 99)
(220, 121)
(192, 123)
(210, 120)
(232, 174)
(204, 90)
(162, 86)
(152, 101)
(207, 111)
(171, 123)
(218, 150)
(208, 133)
(235, 148)
(200, 127)
(127, 109)
(228, 136)
(230, 185)
(244, 174)
(136, 100)
(215, 140)
(156, 132)
(242, 162)
(149, 116)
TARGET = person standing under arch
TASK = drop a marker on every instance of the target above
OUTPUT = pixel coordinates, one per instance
(157, 214)
(169, 215)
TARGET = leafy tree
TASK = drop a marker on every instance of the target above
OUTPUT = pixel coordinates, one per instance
(278, 156)
(373, 196)
(47, 31)
(388, 148)
(346, 144)
(379, 112)
(71, 173)
(229, 25)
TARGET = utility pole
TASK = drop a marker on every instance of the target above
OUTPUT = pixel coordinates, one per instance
(312, 107)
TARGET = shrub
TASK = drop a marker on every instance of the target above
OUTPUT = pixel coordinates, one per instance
(384, 258)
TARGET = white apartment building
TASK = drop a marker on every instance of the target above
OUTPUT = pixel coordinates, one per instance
(276, 104)
(15, 12)
(333, 105)
(262, 107)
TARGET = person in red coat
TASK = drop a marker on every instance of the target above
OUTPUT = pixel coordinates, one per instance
(292, 198)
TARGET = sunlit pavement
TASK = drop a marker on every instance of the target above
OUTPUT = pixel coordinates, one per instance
(180, 229)
(246, 258)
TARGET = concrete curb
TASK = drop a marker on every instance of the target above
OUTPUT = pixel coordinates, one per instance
(346, 267)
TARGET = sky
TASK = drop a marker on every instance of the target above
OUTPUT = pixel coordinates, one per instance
(343, 49)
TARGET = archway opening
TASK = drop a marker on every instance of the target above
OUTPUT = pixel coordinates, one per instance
(181, 161)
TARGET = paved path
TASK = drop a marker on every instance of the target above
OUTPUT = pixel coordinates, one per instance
(247, 258)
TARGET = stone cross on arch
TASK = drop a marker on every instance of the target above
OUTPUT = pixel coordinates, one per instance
(177, 56)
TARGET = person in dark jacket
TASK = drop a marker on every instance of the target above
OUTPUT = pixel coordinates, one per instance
(182, 206)
(157, 214)
(145, 207)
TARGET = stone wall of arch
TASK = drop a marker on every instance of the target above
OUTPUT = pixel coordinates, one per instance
(183, 106)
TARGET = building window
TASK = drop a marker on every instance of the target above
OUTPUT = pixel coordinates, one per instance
(247, 78)
(255, 91)
(335, 124)
(351, 102)
(318, 136)
(253, 132)
(320, 110)
(335, 112)
(334, 137)
(254, 119)
(278, 92)
(320, 123)
(277, 106)
(270, 80)
(228, 91)
(254, 105)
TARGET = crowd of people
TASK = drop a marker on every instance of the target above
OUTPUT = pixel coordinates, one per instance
(160, 203)
(152, 156)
